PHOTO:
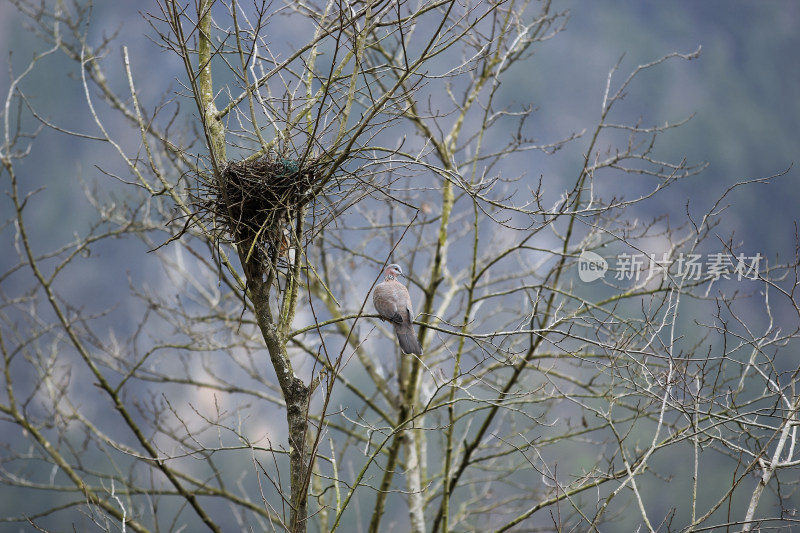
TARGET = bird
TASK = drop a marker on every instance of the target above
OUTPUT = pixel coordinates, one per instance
(393, 303)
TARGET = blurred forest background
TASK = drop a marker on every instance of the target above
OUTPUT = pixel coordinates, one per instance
(743, 92)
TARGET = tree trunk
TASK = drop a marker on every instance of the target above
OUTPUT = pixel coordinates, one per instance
(296, 394)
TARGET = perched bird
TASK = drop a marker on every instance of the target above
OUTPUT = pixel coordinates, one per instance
(393, 303)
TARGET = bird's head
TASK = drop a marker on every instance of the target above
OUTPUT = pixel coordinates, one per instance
(393, 271)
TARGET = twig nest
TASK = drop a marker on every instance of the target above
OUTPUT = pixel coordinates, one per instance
(256, 200)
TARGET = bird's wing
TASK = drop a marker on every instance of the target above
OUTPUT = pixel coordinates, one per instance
(409, 310)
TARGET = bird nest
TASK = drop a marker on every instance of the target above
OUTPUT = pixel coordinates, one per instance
(254, 202)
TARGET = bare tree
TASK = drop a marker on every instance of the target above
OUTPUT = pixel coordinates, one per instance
(247, 384)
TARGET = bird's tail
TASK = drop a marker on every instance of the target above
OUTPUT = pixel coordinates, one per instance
(407, 338)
